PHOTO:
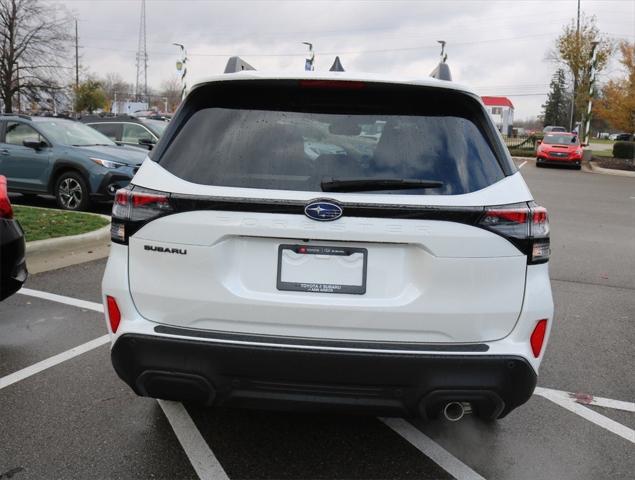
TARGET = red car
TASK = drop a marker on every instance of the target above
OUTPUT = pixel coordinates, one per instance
(561, 149)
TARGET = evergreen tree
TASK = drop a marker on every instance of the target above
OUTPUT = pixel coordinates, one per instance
(556, 108)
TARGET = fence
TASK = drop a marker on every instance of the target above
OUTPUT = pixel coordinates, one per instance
(527, 142)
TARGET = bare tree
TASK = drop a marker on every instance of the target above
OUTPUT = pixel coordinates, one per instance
(116, 87)
(171, 89)
(33, 46)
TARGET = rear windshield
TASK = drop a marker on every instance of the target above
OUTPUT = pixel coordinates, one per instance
(308, 138)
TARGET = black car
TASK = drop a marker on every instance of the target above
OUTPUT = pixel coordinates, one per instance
(624, 137)
(128, 130)
(13, 271)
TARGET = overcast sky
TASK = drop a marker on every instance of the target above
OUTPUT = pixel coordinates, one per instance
(497, 47)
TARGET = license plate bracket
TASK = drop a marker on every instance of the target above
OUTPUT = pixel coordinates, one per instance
(321, 269)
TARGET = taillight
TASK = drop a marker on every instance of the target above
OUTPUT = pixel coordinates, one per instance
(133, 207)
(538, 337)
(5, 206)
(114, 315)
(526, 226)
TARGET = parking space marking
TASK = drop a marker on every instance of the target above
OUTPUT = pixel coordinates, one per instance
(432, 450)
(586, 399)
(588, 414)
(52, 361)
(75, 302)
(522, 164)
(196, 448)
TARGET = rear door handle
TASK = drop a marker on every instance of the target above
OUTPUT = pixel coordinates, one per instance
(4, 151)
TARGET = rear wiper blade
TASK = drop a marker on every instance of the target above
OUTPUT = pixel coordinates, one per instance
(369, 184)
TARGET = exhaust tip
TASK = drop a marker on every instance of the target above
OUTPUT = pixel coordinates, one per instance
(455, 411)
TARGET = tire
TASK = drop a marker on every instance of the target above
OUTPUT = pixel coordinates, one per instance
(71, 192)
(538, 163)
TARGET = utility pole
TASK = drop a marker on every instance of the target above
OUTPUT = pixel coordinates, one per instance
(17, 84)
(575, 75)
(142, 57)
(76, 56)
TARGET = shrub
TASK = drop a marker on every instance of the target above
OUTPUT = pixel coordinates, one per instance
(624, 150)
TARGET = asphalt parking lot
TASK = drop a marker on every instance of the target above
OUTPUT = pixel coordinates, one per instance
(65, 414)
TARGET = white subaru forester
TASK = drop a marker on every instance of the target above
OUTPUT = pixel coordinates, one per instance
(330, 241)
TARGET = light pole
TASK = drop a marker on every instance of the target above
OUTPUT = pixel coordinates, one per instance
(308, 64)
(181, 68)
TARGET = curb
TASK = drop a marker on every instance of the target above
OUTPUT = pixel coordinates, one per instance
(609, 171)
(88, 238)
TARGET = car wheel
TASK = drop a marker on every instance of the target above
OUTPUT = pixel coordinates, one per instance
(71, 192)
(538, 162)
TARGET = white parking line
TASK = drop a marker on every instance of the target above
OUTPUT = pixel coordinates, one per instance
(75, 302)
(522, 164)
(432, 450)
(586, 399)
(196, 448)
(52, 361)
(588, 414)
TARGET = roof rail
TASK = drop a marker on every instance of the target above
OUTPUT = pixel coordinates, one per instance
(236, 64)
(21, 115)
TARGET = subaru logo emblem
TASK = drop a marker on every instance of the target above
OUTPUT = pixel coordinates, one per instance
(323, 210)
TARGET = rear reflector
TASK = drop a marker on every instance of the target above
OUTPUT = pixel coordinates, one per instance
(538, 337)
(114, 315)
(5, 207)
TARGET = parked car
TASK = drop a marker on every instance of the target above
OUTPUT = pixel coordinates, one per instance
(560, 149)
(623, 137)
(13, 271)
(64, 158)
(552, 128)
(407, 276)
(128, 130)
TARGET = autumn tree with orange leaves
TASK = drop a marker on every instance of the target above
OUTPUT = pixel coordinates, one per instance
(617, 103)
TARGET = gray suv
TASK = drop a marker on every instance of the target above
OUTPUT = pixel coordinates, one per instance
(64, 158)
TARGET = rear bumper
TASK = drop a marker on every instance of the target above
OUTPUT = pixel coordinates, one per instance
(264, 376)
(13, 271)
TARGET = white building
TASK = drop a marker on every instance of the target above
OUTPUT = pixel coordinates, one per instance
(501, 110)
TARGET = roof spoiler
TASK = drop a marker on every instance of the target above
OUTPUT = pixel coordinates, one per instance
(237, 64)
(442, 70)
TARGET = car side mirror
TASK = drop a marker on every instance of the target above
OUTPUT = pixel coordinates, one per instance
(34, 143)
(147, 142)
(538, 142)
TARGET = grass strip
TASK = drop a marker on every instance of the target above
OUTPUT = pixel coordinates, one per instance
(43, 223)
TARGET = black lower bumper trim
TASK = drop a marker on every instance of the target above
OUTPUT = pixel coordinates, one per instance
(300, 379)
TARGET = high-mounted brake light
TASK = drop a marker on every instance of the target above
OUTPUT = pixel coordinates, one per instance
(333, 84)
(133, 207)
(5, 206)
(114, 315)
(525, 225)
(538, 337)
